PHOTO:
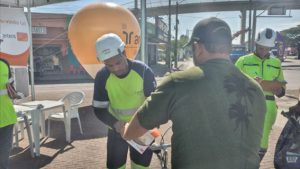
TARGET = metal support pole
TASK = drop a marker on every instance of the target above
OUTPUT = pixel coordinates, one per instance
(253, 29)
(135, 4)
(176, 36)
(31, 68)
(143, 32)
(168, 57)
(250, 25)
(243, 26)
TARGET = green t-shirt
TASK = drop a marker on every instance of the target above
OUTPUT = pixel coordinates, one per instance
(217, 115)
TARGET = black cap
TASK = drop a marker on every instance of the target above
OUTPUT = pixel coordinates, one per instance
(211, 30)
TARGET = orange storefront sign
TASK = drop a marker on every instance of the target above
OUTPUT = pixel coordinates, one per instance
(22, 36)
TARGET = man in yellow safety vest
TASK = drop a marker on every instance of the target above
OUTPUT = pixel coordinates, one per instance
(7, 115)
(266, 70)
(121, 87)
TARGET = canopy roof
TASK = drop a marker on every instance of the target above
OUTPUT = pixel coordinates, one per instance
(157, 7)
(25, 3)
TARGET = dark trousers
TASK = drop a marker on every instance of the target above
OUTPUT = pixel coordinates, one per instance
(117, 149)
(6, 136)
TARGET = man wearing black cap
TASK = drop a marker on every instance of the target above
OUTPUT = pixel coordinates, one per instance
(216, 111)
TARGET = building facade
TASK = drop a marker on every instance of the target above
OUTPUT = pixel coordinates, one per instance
(54, 60)
(53, 57)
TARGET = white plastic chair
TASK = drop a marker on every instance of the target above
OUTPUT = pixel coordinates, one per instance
(70, 110)
(19, 127)
(24, 119)
(22, 122)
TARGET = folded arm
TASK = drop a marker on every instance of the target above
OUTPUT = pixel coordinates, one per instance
(276, 86)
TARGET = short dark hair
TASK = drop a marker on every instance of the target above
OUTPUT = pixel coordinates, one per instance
(214, 33)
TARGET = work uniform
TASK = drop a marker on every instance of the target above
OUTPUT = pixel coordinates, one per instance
(122, 96)
(215, 123)
(266, 69)
(7, 116)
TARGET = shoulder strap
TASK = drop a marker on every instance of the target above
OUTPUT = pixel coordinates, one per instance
(193, 73)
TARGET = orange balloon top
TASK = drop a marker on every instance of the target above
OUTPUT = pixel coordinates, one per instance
(95, 20)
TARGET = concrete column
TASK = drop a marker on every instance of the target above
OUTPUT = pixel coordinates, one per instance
(243, 26)
(253, 29)
(250, 26)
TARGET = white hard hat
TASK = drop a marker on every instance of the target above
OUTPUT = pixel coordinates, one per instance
(266, 37)
(109, 45)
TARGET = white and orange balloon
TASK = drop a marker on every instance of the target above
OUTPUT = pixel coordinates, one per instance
(95, 20)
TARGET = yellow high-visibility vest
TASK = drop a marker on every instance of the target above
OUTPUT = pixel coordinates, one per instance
(267, 69)
(7, 112)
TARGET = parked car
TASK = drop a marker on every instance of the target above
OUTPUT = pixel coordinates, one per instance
(275, 53)
(236, 52)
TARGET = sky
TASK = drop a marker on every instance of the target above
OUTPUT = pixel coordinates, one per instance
(187, 21)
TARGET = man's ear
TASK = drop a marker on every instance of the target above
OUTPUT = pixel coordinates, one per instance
(199, 49)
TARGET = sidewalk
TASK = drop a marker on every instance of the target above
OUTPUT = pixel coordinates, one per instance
(89, 150)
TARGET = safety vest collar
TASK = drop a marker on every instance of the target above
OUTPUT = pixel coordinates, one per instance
(268, 57)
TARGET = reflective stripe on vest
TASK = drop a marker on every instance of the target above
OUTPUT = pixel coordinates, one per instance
(124, 112)
(122, 115)
(3, 92)
(100, 104)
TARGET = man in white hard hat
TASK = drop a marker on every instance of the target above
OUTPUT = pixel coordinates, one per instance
(120, 89)
(266, 70)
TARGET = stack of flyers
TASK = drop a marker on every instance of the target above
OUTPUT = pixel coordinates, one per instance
(143, 142)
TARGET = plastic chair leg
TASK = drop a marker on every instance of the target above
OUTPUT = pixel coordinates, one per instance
(48, 133)
(79, 123)
(16, 128)
(28, 129)
(67, 124)
(21, 125)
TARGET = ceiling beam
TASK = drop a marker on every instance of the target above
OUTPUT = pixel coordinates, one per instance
(24, 3)
(221, 6)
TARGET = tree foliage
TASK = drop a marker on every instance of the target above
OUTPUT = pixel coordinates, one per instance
(291, 36)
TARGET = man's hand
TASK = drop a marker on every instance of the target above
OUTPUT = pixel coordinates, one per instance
(119, 127)
(133, 129)
(258, 79)
(124, 129)
(274, 86)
